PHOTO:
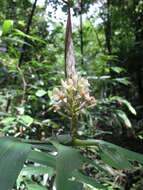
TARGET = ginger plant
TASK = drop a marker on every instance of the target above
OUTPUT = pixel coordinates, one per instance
(71, 98)
(74, 94)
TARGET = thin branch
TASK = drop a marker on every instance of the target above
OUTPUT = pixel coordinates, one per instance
(8, 104)
(27, 32)
(108, 29)
(81, 31)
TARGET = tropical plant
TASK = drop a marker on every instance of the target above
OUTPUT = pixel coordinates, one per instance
(61, 158)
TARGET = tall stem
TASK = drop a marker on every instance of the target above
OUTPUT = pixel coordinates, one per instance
(74, 124)
(78, 142)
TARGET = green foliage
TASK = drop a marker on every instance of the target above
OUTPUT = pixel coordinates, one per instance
(42, 158)
(64, 164)
(12, 157)
(121, 100)
(111, 157)
(124, 118)
(40, 93)
(129, 155)
(7, 26)
(26, 93)
(26, 119)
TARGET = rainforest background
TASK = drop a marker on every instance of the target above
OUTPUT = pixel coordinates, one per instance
(108, 45)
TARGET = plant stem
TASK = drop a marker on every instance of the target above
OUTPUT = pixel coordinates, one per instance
(74, 124)
(78, 142)
(75, 142)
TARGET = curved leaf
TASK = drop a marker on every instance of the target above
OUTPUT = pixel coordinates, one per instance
(41, 93)
(113, 158)
(124, 118)
(42, 158)
(7, 120)
(128, 154)
(122, 100)
(123, 80)
(6, 27)
(12, 157)
(27, 119)
(67, 161)
(37, 170)
(118, 69)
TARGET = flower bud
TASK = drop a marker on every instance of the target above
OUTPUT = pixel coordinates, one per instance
(64, 84)
(56, 91)
(83, 83)
(70, 82)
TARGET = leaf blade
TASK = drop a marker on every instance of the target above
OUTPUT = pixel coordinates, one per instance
(130, 155)
(6, 27)
(67, 161)
(12, 157)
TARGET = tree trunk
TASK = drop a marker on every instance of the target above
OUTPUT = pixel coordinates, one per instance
(108, 29)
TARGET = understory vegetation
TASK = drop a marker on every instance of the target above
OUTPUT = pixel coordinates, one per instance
(71, 95)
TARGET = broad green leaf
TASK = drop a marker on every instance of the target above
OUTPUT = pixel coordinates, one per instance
(37, 170)
(12, 157)
(50, 160)
(27, 119)
(15, 39)
(124, 118)
(113, 158)
(42, 158)
(122, 100)
(42, 145)
(118, 69)
(41, 93)
(67, 161)
(124, 81)
(130, 155)
(84, 179)
(7, 26)
(7, 120)
(18, 32)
